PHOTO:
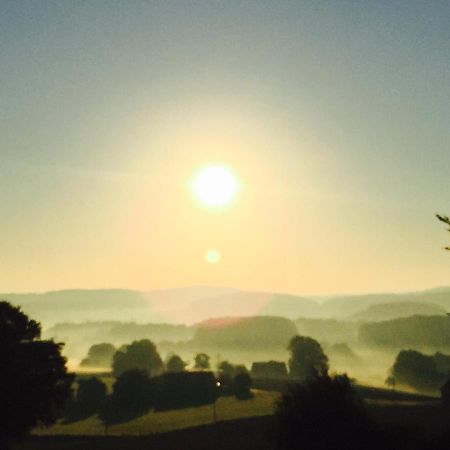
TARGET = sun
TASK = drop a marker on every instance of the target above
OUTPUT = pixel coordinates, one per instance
(214, 186)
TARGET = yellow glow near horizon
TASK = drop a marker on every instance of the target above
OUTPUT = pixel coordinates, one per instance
(213, 256)
(215, 186)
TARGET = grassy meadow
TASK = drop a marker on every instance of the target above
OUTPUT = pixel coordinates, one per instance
(227, 408)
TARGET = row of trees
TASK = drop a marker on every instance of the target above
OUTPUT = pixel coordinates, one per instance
(307, 359)
(106, 355)
(134, 393)
(144, 382)
(141, 383)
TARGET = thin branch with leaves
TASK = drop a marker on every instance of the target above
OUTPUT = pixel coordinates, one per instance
(446, 220)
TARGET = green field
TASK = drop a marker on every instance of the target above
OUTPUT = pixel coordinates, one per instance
(227, 408)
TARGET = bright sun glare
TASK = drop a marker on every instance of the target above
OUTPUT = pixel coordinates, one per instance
(214, 186)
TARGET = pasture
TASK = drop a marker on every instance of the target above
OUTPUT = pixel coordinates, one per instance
(227, 408)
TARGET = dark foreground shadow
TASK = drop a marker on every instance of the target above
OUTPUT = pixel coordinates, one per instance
(244, 434)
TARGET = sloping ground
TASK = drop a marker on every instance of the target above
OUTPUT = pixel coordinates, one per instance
(227, 408)
(408, 427)
(243, 434)
(373, 394)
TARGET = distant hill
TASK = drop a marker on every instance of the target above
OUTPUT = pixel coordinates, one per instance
(389, 311)
(194, 304)
(245, 332)
(291, 306)
(81, 305)
(417, 332)
(242, 303)
(119, 332)
(328, 331)
(181, 305)
(347, 306)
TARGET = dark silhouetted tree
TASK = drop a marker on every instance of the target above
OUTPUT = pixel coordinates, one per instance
(390, 382)
(417, 370)
(34, 382)
(446, 220)
(323, 414)
(226, 368)
(242, 383)
(99, 355)
(138, 355)
(442, 363)
(445, 394)
(175, 364)
(90, 399)
(201, 361)
(175, 390)
(307, 358)
(225, 374)
(132, 396)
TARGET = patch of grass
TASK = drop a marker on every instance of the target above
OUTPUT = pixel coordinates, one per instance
(227, 408)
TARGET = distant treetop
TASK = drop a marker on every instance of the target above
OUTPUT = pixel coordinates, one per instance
(138, 355)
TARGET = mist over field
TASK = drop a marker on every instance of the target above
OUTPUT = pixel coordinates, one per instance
(361, 334)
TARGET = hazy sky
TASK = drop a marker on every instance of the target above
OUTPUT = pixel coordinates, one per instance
(333, 114)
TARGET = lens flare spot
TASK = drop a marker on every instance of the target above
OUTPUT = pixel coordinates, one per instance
(213, 256)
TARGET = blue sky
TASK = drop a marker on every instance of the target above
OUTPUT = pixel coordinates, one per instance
(335, 115)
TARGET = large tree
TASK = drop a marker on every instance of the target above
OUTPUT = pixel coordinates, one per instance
(307, 358)
(418, 371)
(131, 397)
(446, 220)
(99, 355)
(324, 413)
(138, 355)
(90, 398)
(34, 382)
